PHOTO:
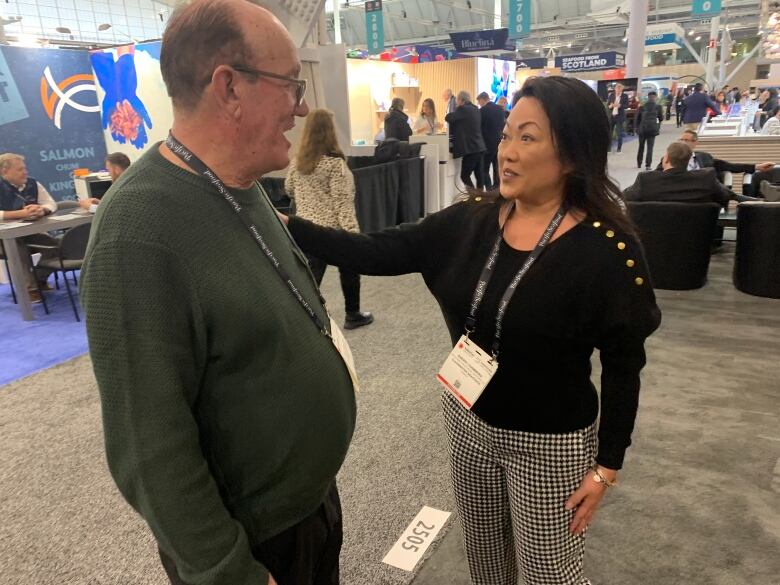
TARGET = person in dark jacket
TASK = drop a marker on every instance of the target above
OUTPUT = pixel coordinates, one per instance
(493, 120)
(397, 122)
(696, 106)
(466, 139)
(648, 125)
(676, 183)
(703, 160)
(617, 103)
(679, 106)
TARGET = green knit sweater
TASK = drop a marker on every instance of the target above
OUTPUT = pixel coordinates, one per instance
(227, 414)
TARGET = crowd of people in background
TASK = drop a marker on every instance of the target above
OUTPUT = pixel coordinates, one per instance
(691, 104)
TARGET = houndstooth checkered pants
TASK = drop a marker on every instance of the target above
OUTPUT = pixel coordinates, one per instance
(511, 488)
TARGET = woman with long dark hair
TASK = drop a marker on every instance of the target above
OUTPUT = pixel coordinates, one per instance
(530, 282)
(397, 122)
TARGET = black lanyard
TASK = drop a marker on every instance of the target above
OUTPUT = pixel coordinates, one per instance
(487, 273)
(199, 166)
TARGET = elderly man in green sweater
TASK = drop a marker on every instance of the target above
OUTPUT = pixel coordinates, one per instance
(227, 406)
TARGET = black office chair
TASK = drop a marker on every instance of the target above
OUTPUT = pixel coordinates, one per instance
(70, 256)
(677, 238)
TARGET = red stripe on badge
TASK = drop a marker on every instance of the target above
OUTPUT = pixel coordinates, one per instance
(457, 394)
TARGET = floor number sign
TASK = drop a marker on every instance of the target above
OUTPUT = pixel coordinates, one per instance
(418, 536)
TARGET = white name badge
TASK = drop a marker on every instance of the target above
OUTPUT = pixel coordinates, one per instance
(467, 371)
(346, 353)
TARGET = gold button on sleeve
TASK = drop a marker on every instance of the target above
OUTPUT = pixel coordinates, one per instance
(630, 264)
(610, 234)
(639, 280)
(596, 224)
(621, 246)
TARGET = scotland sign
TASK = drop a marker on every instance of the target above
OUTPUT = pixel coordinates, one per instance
(591, 62)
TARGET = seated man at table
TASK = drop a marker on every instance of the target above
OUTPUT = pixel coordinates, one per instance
(116, 164)
(676, 183)
(24, 198)
(703, 160)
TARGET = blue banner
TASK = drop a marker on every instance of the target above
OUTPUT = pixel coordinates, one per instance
(375, 32)
(663, 41)
(481, 40)
(51, 115)
(705, 7)
(591, 62)
(536, 63)
(519, 18)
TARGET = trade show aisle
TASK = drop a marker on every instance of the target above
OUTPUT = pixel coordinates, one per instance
(695, 504)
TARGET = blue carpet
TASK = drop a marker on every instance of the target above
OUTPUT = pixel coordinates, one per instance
(27, 347)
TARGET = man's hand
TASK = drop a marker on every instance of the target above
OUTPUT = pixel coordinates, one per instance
(283, 218)
(587, 499)
(33, 212)
(271, 580)
(87, 203)
(765, 167)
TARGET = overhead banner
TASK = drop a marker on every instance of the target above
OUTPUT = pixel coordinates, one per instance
(662, 37)
(540, 63)
(49, 114)
(519, 18)
(705, 7)
(591, 62)
(375, 32)
(481, 40)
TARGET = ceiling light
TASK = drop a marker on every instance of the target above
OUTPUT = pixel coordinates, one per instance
(569, 45)
(698, 38)
(64, 30)
(690, 33)
(103, 27)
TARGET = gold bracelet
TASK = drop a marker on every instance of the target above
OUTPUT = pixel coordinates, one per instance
(599, 477)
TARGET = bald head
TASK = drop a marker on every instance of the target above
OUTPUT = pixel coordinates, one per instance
(204, 34)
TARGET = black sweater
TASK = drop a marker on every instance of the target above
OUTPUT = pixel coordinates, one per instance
(581, 294)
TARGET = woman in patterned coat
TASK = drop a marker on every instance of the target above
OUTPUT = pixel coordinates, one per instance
(324, 192)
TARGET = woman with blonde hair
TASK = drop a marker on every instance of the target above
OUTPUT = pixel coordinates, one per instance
(322, 186)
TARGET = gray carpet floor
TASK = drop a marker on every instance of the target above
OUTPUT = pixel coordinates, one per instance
(63, 522)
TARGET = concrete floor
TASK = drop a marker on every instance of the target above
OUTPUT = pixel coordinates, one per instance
(698, 504)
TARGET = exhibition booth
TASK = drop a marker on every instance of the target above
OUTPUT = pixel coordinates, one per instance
(373, 84)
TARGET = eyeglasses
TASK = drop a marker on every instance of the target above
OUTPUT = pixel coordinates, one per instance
(300, 84)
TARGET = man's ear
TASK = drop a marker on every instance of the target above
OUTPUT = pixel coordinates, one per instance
(224, 89)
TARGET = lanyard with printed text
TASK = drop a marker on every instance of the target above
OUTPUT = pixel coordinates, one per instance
(487, 273)
(200, 167)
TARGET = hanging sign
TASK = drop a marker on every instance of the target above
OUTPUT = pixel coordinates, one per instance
(519, 18)
(705, 7)
(662, 37)
(591, 62)
(375, 33)
(540, 63)
(481, 40)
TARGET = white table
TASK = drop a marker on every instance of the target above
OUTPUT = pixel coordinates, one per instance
(15, 250)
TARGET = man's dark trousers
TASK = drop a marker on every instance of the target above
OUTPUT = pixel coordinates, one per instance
(472, 163)
(304, 554)
(490, 160)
